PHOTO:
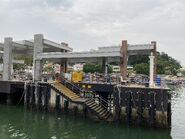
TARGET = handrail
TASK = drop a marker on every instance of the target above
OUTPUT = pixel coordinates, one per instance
(73, 85)
(92, 93)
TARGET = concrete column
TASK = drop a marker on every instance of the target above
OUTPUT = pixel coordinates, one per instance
(63, 66)
(151, 70)
(123, 59)
(37, 64)
(7, 59)
(66, 66)
(105, 65)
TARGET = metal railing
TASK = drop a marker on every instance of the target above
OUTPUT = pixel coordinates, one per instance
(80, 91)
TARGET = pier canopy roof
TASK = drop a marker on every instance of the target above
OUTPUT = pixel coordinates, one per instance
(27, 46)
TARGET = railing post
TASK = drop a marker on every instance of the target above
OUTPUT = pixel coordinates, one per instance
(100, 101)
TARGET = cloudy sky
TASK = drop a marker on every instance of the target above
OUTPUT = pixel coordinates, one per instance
(88, 24)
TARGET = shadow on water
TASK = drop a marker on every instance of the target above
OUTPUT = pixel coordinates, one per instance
(17, 123)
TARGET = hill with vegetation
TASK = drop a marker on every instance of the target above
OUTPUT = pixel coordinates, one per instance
(165, 64)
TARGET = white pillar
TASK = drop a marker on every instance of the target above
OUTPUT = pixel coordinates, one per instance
(151, 70)
(7, 59)
(106, 67)
(12, 69)
(37, 64)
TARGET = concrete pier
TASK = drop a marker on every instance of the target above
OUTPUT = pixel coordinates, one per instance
(133, 106)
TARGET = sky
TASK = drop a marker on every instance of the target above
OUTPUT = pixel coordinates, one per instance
(88, 24)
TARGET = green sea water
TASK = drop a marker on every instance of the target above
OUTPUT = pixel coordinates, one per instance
(18, 123)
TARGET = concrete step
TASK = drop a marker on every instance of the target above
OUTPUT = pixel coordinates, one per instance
(89, 100)
(107, 116)
(102, 112)
(94, 106)
(90, 103)
(98, 108)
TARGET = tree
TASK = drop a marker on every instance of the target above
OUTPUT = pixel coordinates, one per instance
(142, 68)
(165, 64)
(90, 67)
(138, 59)
(28, 61)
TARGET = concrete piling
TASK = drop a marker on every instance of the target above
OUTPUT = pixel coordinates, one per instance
(57, 106)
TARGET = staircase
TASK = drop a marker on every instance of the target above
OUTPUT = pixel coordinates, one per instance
(72, 92)
(100, 111)
(70, 95)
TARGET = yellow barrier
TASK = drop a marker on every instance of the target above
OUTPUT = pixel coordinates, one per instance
(77, 76)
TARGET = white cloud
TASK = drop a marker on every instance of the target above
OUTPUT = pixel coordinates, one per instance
(86, 24)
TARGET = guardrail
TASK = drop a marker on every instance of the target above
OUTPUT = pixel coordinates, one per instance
(80, 91)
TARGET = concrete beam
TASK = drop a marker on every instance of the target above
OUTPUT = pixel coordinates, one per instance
(7, 59)
(139, 52)
(77, 55)
(84, 60)
(18, 61)
(18, 45)
(28, 43)
(26, 52)
(57, 45)
(139, 47)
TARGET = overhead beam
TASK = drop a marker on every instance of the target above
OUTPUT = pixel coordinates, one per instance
(57, 45)
(139, 52)
(137, 47)
(18, 61)
(18, 45)
(77, 54)
(26, 43)
(140, 47)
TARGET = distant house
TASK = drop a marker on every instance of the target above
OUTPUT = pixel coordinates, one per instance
(181, 72)
(78, 67)
(117, 68)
